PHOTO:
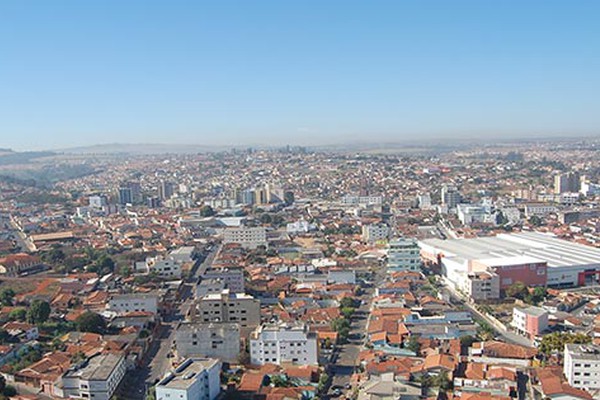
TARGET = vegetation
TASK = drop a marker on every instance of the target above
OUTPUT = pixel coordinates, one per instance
(342, 327)
(323, 381)
(7, 297)
(38, 312)
(90, 322)
(556, 341)
(413, 345)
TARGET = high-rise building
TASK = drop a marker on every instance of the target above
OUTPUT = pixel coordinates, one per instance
(125, 195)
(165, 190)
(283, 343)
(450, 196)
(567, 183)
(130, 193)
(403, 255)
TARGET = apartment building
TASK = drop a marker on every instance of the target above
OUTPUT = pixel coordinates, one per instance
(97, 378)
(229, 307)
(215, 340)
(283, 343)
(165, 267)
(530, 321)
(195, 378)
(374, 233)
(482, 285)
(403, 255)
(581, 366)
(233, 278)
(133, 302)
(247, 237)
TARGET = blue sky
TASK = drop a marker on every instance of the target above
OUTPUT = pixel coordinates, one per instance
(246, 72)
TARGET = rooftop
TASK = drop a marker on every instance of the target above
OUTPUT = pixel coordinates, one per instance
(98, 368)
(184, 376)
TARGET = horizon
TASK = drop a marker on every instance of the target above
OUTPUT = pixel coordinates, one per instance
(308, 74)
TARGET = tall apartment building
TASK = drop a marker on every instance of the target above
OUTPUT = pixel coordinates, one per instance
(215, 340)
(530, 321)
(450, 196)
(403, 255)
(97, 378)
(567, 183)
(165, 190)
(283, 343)
(247, 237)
(233, 278)
(195, 378)
(581, 366)
(374, 233)
(229, 307)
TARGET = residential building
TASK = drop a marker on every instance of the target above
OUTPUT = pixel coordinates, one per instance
(232, 277)
(374, 233)
(133, 302)
(450, 196)
(482, 285)
(539, 209)
(282, 343)
(165, 190)
(216, 340)
(229, 307)
(97, 378)
(247, 237)
(165, 267)
(581, 366)
(565, 183)
(338, 275)
(194, 379)
(530, 321)
(403, 255)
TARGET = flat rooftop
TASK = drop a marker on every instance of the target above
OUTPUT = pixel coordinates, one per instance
(98, 368)
(556, 252)
(186, 374)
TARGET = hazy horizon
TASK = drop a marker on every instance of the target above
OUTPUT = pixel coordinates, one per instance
(309, 73)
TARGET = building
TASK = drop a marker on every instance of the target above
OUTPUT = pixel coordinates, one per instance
(567, 263)
(528, 270)
(98, 202)
(374, 233)
(233, 278)
(530, 321)
(209, 286)
(215, 340)
(133, 302)
(343, 276)
(403, 255)
(164, 267)
(165, 190)
(424, 201)
(20, 264)
(475, 214)
(362, 200)
(482, 285)
(247, 237)
(567, 183)
(97, 378)
(283, 343)
(229, 307)
(581, 366)
(539, 209)
(125, 195)
(450, 196)
(194, 379)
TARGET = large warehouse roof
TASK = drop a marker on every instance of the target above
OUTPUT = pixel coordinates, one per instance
(545, 247)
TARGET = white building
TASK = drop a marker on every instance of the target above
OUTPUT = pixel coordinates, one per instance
(375, 233)
(539, 209)
(363, 200)
(581, 366)
(403, 255)
(220, 341)
(194, 379)
(232, 277)
(167, 267)
(482, 285)
(283, 343)
(424, 201)
(473, 213)
(133, 302)
(183, 254)
(300, 226)
(247, 237)
(229, 307)
(97, 378)
(530, 321)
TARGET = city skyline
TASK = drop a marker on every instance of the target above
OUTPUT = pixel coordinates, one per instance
(235, 73)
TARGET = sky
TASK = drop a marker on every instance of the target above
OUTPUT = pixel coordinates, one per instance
(76, 73)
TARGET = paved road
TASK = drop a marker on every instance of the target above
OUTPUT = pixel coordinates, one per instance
(156, 362)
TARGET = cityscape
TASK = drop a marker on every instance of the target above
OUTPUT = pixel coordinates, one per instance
(299, 200)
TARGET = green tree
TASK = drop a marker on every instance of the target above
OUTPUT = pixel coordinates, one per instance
(517, 290)
(413, 345)
(467, 340)
(207, 211)
(485, 332)
(7, 297)
(38, 312)
(280, 381)
(323, 380)
(266, 218)
(556, 341)
(342, 327)
(347, 302)
(347, 312)
(442, 381)
(90, 322)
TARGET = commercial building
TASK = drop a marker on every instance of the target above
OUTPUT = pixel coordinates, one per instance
(374, 233)
(96, 378)
(133, 302)
(567, 263)
(229, 307)
(165, 190)
(215, 340)
(403, 255)
(195, 378)
(247, 237)
(530, 321)
(581, 366)
(283, 343)
(529, 270)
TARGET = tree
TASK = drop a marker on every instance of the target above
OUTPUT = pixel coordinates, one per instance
(323, 380)
(7, 297)
(413, 345)
(347, 312)
(556, 341)
(517, 290)
(442, 381)
(38, 312)
(536, 296)
(266, 218)
(90, 322)
(536, 221)
(207, 211)
(280, 381)
(485, 331)
(467, 340)
(18, 314)
(104, 265)
(347, 302)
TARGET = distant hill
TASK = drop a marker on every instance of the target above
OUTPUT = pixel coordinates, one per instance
(9, 157)
(146, 148)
